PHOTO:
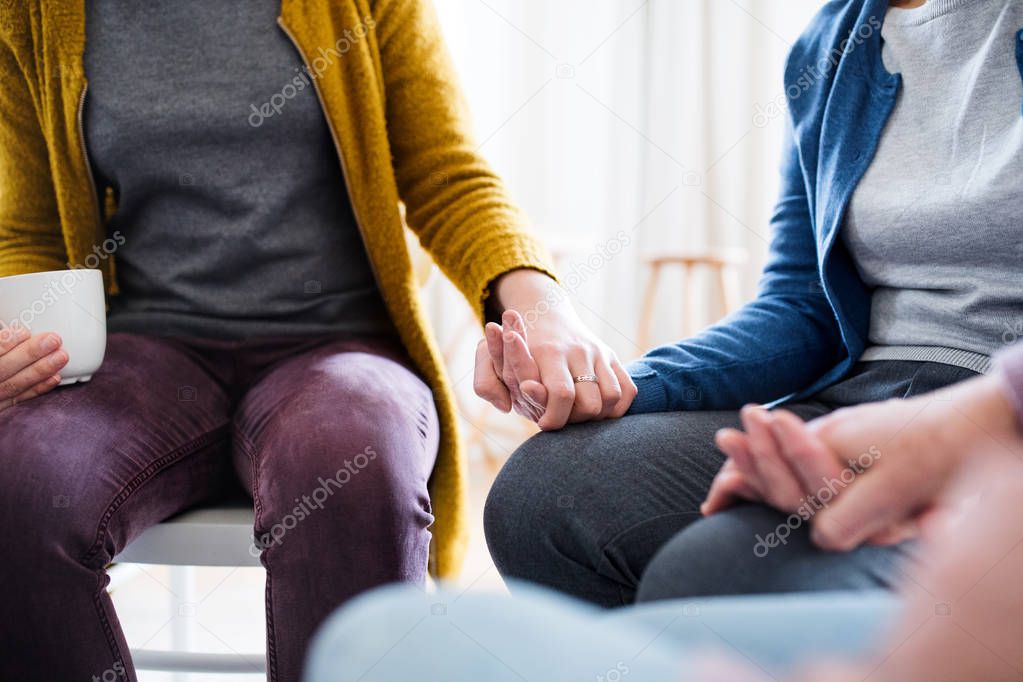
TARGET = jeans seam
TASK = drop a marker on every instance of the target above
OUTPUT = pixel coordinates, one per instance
(249, 448)
(108, 630)
(605, 563)
(133, 485)
(144, 476)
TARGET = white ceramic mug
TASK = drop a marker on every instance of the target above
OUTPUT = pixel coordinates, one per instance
(70, 303)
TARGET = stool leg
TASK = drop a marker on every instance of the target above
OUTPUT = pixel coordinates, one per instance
(183, 604)
(728, 283)
(689, 326)
(646, 317)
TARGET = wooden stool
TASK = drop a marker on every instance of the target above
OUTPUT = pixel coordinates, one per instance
(723, 263)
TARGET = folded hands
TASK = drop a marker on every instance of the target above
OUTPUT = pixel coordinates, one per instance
(876, 473)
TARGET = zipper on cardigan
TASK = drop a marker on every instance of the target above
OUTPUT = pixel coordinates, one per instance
(337, 148)
(85, 159)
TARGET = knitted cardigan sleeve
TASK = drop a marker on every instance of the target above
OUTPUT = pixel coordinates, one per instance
(30, 233)
(455, 203)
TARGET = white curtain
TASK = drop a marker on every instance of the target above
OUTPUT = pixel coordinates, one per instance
(626, 128)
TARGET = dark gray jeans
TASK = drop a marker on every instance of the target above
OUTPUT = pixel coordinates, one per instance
(609, 511)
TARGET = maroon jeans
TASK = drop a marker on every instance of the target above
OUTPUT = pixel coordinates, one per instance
(167, 424)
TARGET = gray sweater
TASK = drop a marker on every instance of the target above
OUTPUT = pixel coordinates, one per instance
(236, 225)
(936, 224)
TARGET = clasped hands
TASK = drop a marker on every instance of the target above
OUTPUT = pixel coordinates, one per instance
(536, 370)
(878, 473)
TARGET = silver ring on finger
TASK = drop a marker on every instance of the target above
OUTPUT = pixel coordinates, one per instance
(585, 379)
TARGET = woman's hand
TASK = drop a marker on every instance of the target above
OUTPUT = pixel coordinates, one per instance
(920, 446)
(29, 365)
(770, 461)
(872, 473)
(530, 361)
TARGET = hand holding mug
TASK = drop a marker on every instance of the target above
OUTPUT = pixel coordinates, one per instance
(52, 331)
(29, 365)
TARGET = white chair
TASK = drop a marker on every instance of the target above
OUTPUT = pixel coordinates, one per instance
(216, 535)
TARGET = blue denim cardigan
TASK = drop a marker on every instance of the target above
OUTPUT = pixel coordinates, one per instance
(810, 320)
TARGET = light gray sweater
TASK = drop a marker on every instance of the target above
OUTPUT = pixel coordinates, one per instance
(936, 224)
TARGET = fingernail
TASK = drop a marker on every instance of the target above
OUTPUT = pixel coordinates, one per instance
(51, 343)
(58, 360)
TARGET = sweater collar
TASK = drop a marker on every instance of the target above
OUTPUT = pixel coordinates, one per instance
(62, 25)
(932, 9)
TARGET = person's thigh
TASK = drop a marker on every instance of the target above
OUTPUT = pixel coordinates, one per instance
(584, 509)
(752, 549)
(401, 633)
(756, 549)
(776, 634)
(83, 470)
(336, 446)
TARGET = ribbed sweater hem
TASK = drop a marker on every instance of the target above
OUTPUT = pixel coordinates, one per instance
(976, 362)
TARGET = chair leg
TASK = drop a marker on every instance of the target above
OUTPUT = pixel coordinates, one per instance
(182, 583)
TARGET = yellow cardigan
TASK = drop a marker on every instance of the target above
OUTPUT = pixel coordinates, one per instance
(391, 98)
